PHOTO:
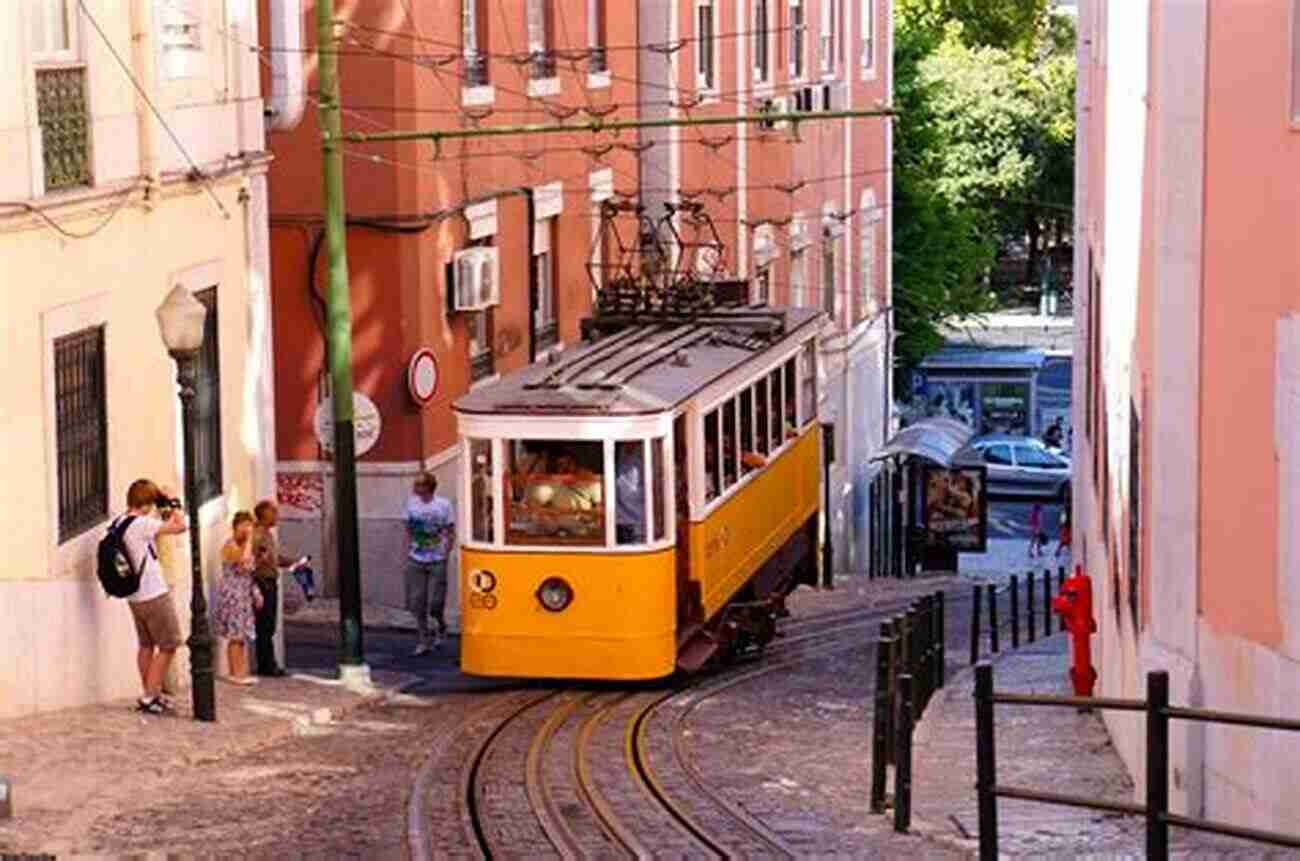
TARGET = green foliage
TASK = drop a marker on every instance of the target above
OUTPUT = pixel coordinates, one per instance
(984, 148)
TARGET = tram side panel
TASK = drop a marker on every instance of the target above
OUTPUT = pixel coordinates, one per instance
(620, 623)
(731, 544)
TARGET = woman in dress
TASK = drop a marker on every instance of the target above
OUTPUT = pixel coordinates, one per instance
(234, 609)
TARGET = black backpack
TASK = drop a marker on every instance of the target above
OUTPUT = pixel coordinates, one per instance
(117, 575)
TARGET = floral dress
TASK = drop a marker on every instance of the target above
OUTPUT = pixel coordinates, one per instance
(233, 615)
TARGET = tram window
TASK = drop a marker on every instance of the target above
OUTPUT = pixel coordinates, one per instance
(774, 417)
(729, 447)
(629, 492)
(791, 405)
(808, 373)
(482, 521)
(747, 453)
(556, 491)
(761, 404)
(712, 480)
(658, 488)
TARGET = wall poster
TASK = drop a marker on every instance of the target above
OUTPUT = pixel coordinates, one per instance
(955, 511)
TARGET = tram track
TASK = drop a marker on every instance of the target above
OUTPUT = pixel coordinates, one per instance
(608, 773)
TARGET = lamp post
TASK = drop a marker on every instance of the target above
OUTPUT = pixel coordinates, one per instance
(180, 320)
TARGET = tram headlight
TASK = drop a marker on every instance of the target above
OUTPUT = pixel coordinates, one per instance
(555, 594)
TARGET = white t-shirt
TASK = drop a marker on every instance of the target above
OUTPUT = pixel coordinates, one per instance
(138, 541)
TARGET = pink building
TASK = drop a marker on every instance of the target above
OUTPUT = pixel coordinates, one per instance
(1187, 493)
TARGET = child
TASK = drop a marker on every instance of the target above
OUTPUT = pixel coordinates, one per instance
(1063, 540)
(1037, 538)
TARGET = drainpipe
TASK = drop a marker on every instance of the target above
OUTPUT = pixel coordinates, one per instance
(288, 95)
(144, 48)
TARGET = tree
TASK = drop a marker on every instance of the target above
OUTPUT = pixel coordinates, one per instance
(1014, 25)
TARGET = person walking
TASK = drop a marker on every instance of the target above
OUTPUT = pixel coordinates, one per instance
(154, 512)
(1037, 538)
(430, 523)
(266, 574)
(1063, 539)
(237, 600)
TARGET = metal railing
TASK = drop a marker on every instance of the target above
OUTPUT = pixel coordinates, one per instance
(910, 657)
(1156, 810)
(988, 596)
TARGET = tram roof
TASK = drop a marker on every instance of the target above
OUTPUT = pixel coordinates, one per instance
(641, 369)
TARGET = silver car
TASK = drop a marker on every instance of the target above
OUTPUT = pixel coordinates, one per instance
(1018, 465)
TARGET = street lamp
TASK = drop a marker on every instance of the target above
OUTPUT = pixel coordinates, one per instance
(180, 320)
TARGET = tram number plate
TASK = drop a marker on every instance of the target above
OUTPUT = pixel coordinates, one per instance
(478, 601)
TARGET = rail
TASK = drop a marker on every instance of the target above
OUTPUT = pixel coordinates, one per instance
(910, 655)
(1156, 809)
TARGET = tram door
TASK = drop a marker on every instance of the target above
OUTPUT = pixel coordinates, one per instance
(688, 593)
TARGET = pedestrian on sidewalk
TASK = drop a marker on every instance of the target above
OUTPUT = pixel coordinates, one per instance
(235, 607)
(157, 629)
(1064, 538)
(430, 529)
(266, 574)
(1037, 538)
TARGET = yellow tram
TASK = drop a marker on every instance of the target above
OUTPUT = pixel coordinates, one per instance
(643, 502)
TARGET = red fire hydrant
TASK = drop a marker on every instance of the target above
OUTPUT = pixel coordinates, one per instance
(1074, 605)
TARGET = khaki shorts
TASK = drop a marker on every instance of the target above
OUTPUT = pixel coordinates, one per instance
(156, 624)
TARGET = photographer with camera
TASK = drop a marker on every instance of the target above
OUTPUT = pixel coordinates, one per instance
(154, 511)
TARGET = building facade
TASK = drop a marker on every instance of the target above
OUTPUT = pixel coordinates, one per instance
(136, 163)
(479, 252)
(1187, 407)
(803, 211)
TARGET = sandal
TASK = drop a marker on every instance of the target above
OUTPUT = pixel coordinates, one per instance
(151, 706)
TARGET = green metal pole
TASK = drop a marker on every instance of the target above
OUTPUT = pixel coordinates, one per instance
(339, 338)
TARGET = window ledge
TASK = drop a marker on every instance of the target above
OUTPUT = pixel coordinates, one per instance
(473, 97)
(541, 87)
(598, 80)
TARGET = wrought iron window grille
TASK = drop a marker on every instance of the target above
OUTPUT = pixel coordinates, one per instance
(65, 126)
(81, 431)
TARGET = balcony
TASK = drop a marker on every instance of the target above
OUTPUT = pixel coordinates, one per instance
(65, 128)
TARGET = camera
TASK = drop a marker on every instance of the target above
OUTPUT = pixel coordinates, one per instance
(167, 504)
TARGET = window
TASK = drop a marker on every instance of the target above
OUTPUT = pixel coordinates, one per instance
(762, 292)
(828, 276)
(630, 510)
(556, 493)
(798, 278)
(658, 494)
(474, 41)
(762, 49)
(705, 66)
(81, 430)
(712, 442)
(541, 26)
(762, 401)
(748, 463)
(868, 36)
(829, 34)
(791, 408)
(1027, 455)
(207, 405)
(544, 320)
(597, 61)
(777, 414)
(808, 376)
(482, 363)
(868, 225)
(482, 487)
(730, 446)
(798, 37)
(998, 454)
(52, 29)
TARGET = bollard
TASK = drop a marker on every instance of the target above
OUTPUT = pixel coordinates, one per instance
(1157, 765)
(1047, 603)
(993, 618)
(986, 768)
(6, 798)
(975, 625)
(1031, 608)
(927, 653)
(895, 669)
(903, 770)
(880, 720)
(1015, 611)
(941, 648)
(1060, 585)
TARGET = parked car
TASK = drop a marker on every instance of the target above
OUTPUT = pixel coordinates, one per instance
(1018, 465)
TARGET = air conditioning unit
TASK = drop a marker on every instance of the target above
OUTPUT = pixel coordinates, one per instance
(778, 105)
(476, 277)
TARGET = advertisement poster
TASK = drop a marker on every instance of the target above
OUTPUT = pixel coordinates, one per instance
(955, 508)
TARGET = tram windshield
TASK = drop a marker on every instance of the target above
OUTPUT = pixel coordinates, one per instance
(556, 493)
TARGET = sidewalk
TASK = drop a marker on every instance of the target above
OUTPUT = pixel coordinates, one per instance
(72, 768)
(1051, 749)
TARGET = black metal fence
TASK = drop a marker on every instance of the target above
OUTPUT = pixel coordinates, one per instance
(1156, 810)
(910, 657)
(1035, 608)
